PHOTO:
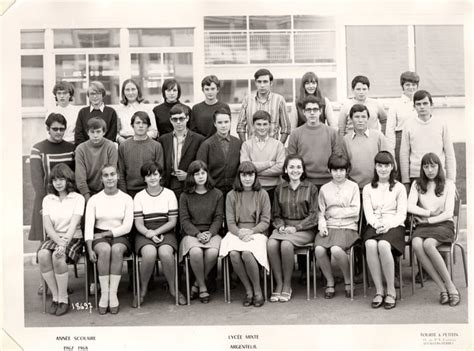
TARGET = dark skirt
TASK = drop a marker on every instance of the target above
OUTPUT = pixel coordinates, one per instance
(73, 250)
(168, 239)
(442, 232)
(395, 237)
(36, 228)
(113, 240)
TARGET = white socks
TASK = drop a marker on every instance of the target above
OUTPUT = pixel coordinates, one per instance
(114, 283)
(62, 280)
(104, 292)
(51, 282)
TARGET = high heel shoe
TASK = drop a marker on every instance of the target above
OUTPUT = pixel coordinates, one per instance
(330, 292)
(375, 303)
(389, 305)
(443, 297)
(454, 299)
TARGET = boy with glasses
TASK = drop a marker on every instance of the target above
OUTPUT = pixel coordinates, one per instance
(63, 94)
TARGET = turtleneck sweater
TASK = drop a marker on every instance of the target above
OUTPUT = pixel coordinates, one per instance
(162, 116)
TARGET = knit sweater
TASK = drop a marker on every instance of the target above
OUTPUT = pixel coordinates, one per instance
(420, 137)
(314, 145)
(249, 209)
(132, 154)
(268, 160)
(222, 168)
(196, 218)
(162, 117)
(202, 120)
(85, 114)
(361, 151)
(90, 158)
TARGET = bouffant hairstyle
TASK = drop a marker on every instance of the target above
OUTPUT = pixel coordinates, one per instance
(55, 117)
(288, 158)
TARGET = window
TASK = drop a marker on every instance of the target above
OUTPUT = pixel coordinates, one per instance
(161, 37)
(269, 39)
(328, 87)
(32, 88)
(86, 38)
(377, 52)
(439, 53)
(233, 91)
(32, 39)
(382, 53)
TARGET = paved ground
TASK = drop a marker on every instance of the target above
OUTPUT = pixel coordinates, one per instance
(159, 309)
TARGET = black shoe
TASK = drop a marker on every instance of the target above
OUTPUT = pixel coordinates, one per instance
(258, 302)
(248, 300)
(389, 305)
(53, 307)
(62, 309)
(377, 304)
(330, 292)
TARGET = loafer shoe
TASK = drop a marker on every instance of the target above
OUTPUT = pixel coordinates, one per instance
(389, 305)
(53, 307)
(258, 301)
(248, 300)
(63, 308)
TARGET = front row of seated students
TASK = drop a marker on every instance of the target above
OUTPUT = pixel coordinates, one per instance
(110, 213)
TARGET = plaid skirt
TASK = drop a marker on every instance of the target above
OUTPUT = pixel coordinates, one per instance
(73, 249)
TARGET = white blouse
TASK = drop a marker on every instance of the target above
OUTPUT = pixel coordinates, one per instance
(61, 211)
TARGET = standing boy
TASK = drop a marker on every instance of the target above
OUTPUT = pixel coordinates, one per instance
(63, 94)
(201, 120)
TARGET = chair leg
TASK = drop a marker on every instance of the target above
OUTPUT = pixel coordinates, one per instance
(364, 275)
(314, 275)
(400, 278)
(45, 288)
(137, 280)
(308, 276)
(265, 292)
(86, 278)
(351, 271)
(412, 261)
(450, 258)
(228, 278)
(188, 292)
(95, 284)
(464, 262)
(271, 281)
(420, 270)
(75, 271)
(224, 277)
(176, 278)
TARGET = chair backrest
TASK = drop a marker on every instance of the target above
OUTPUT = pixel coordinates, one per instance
(457, 214)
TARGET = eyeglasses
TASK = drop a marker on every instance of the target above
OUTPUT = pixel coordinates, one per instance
(177, 119)
(311, 110)
(93, 93)
(58, 129)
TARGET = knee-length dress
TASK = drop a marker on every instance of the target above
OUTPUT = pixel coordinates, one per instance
(247, 209)
(389, 206)
(296, 207)
(339, 207)
(441, 226)
(44, 156)
(200, 213)
(155, 211)
(60, 213)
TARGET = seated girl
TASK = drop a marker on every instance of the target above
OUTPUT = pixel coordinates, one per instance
(385, 208)
(109, 219)
(431, 200)
(295, 215)
(62, 212)
(248, 217)
(201, 212)
(156, 213)
(339, 207)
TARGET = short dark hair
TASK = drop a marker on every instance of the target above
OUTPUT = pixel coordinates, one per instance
(360, 79)
(208, 80)
(358, 108)
(139, 91)
(178, 109)
(149, 168)
(263, 72)
(409, 76)
(311, 99)
(285, 165)
(420, 95)
(60, 171)
(168, 84)
(66, 86)
(141, 115)
(55, 117)
(339, 161)
(97, 86)
(96, 123)
(222, 111)
(246, 167)
(260, 114)
(190, 183)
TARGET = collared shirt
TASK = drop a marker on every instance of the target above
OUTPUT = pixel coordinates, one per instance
(296, 204)
(261, 142)
(399, 113)
(178, 142)
(101, 108)
(61, 211)
(224, 142)
(366, 133)
(274, 104)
